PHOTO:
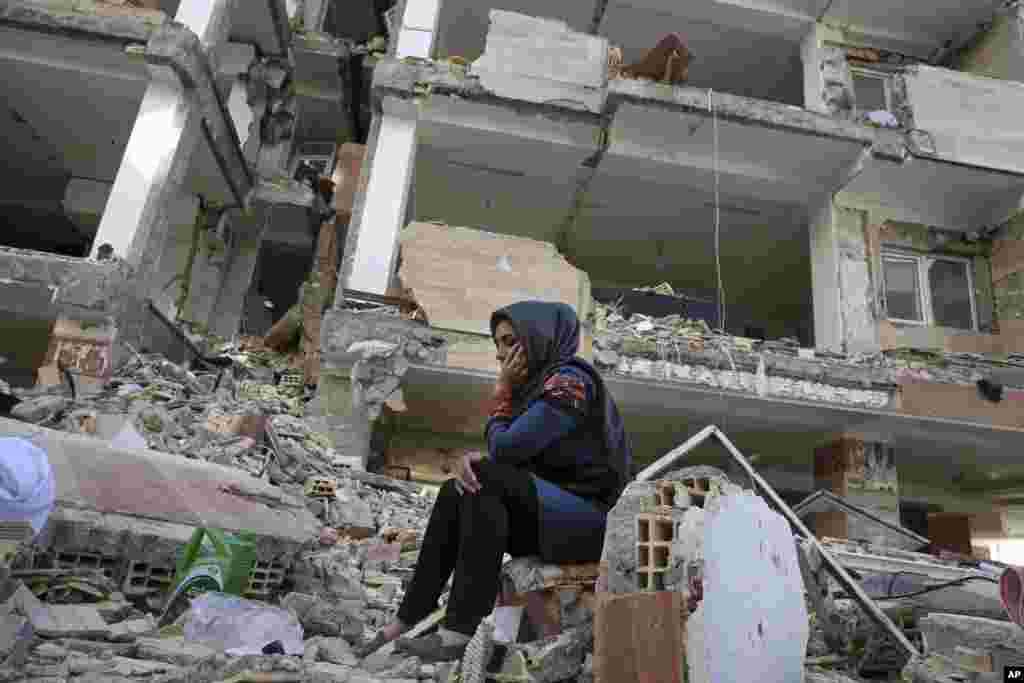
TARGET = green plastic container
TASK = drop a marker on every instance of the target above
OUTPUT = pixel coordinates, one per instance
(212, 561)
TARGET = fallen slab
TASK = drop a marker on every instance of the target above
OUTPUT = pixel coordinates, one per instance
(123, 502)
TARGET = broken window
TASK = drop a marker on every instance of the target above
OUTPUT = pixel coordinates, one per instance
(927, 290)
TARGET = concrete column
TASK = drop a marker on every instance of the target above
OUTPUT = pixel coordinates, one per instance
(274, 114)
(209, 270)
(864, 473)
(139, 214)
(418, 29)
(181, 218)
(163, 137)
(243, 253)
(380, 204)
(845, 310)
(828, 84)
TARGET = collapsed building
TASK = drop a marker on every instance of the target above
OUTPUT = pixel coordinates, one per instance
(832, 193)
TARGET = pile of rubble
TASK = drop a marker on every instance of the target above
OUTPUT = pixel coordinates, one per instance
(676, 348)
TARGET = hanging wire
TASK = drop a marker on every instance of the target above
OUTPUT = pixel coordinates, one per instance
(723, 344)
(718, 214)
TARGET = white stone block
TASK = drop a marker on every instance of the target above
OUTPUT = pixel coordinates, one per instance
(754, 616)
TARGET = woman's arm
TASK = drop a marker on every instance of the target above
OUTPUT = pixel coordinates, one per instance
(559, 410)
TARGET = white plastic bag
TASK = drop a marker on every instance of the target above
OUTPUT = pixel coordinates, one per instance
(241, 627)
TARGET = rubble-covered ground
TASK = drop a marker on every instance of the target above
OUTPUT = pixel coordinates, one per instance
(64, 625)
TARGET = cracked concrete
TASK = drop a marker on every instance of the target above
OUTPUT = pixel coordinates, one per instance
(35, 16)
(50, 286)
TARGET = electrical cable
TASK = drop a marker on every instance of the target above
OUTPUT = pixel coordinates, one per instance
(930, 589)
(718, 213)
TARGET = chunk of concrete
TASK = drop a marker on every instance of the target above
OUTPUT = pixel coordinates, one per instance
(543, 60)
(68, 621)
(754, 614)
(39, 409)
(1004, 640)
(58, 621)
(174, 650)
(320, 617)
(127, 631)
(122, 666)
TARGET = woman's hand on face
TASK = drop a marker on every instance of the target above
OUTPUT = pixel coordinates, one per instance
(467, 480)
(513, 369)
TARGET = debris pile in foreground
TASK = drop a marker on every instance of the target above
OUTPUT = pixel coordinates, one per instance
(64, 624)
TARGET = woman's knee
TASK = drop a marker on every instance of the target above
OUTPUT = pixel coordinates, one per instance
(449, 491)
(497, 475)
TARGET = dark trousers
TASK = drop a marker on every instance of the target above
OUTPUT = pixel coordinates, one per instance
(468, 534)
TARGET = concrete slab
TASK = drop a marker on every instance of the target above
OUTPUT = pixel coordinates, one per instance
(933, 191)
(918, 30)
(160, 494)
(395, 78)
(659, 399)
(47, 286)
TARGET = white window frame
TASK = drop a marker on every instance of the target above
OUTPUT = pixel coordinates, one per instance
(886, 79)
(923, 264)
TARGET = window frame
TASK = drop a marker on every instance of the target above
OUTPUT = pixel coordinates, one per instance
(922, 264)
(886, 78)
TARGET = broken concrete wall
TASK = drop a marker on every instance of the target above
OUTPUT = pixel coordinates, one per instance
(999, 52)
(364, 356)
(970, 119)
(542, 60)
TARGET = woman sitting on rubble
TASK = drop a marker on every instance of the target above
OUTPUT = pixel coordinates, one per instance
(558, 459)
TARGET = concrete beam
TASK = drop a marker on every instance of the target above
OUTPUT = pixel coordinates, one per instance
(133, 27)
(737, 108)
(48, 286)
(99, 487)
(395, 78)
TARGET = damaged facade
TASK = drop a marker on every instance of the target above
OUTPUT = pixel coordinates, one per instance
(834, 195)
